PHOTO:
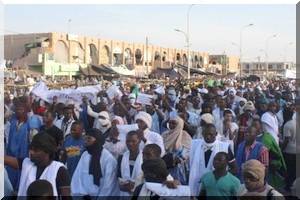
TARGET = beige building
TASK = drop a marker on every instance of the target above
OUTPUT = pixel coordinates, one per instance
(60, 54)
(274, 68)
(224, 64)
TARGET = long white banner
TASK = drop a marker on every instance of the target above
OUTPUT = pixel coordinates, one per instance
(42, 91)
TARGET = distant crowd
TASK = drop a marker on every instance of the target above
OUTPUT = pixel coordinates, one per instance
(221, 138)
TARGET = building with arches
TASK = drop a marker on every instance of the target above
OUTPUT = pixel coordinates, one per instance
(61, 54)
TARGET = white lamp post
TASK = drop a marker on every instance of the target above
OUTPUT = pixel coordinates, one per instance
(241, 47)
(187, 36)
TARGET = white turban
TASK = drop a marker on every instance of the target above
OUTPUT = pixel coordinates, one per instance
(232, 91)
(119, 119)
(105, 121)
(145, 117)
(207, 117)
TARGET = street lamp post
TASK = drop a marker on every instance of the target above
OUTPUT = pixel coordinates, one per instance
(188, 40)
(241, 47)
(290, 43)
(187, 36)
(267, 61)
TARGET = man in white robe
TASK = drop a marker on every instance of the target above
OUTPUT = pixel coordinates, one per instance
(202, 154)
(95, 174)
(129, 164)
(270, 121)
(144, 122)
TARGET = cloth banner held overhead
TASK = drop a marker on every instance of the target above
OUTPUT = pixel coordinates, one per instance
(42, 91)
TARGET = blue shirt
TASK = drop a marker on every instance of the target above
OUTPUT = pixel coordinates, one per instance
(74, 149)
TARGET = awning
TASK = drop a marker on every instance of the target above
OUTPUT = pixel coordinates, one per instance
(103, 69)
(36, 43)
(193, 70)
(88, 71)
(167, 72)
(28, 72)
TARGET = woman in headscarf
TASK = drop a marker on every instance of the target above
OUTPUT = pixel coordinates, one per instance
(177, 144)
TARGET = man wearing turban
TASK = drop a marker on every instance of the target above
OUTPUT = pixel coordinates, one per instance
(253, 172)
(144, 121)
(95, 174)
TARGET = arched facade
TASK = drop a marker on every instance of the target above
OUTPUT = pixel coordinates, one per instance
(74, 50)
(61, 54)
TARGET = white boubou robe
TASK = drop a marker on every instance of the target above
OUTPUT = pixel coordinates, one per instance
(125, 169)
(197, 161)
(28, 175)
(82, 182)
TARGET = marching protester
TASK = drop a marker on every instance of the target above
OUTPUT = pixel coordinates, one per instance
(214, 182)
(129, 164)
(253, 173)
(41, 165)
(73, 147)
(205, 132)
(96, 171)
(177, 143)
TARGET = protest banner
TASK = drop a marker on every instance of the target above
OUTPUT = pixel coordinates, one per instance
(112, 91)
(160, 90)
(124, 129)
(42, 91)
(145, 99)
(163, 190)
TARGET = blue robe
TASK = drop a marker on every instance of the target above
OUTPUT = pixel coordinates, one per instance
(18, 147)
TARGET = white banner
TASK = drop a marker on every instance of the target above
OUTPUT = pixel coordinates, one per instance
(145, 99)
(112, 91)
(42, 91)
(183, 191)
(124, 129)
(160, 90)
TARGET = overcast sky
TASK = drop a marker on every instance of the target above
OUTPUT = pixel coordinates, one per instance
(213, 27)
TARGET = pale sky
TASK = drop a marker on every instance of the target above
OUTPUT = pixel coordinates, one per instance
(213, 27)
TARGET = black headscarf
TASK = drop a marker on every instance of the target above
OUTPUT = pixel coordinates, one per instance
(44, 142)
(95, 151)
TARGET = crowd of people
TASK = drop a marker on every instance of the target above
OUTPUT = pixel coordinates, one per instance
(222, 138)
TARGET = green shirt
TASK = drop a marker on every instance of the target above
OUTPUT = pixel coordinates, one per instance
(225, 188)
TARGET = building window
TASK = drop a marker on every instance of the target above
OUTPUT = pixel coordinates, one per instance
(279, 66)
(286, 66)
(247, 66)
(270, 66)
